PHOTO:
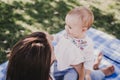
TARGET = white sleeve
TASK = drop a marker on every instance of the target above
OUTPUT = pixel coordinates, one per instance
(57, 37)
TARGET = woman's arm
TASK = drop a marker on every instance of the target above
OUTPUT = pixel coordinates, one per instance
(80, 70)
(87, 75)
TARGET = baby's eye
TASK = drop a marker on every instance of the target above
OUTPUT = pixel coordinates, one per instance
(70, 27)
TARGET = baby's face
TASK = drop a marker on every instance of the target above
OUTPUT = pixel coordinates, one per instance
(73, 26)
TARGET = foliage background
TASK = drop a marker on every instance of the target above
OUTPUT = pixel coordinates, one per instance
(21, 17)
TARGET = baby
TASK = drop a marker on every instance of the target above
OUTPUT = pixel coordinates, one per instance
(74, 47)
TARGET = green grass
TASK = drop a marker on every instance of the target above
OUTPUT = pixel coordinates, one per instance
(21, 17)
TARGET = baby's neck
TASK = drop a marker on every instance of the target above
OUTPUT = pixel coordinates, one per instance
(79, 37)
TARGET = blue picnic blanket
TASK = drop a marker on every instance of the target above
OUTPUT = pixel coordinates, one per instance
(109, 46)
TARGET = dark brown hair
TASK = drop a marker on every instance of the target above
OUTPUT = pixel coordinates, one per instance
(30, 58)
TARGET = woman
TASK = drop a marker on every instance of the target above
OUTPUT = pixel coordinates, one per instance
(30, 58)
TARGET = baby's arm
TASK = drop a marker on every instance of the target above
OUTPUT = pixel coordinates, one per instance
(80, 70)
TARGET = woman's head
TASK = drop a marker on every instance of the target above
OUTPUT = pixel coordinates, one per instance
(30, 58)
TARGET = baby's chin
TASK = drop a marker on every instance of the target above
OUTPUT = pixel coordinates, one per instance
(76, 37)
(72, 36)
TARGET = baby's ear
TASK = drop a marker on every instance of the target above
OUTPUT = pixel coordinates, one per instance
(84, 29)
